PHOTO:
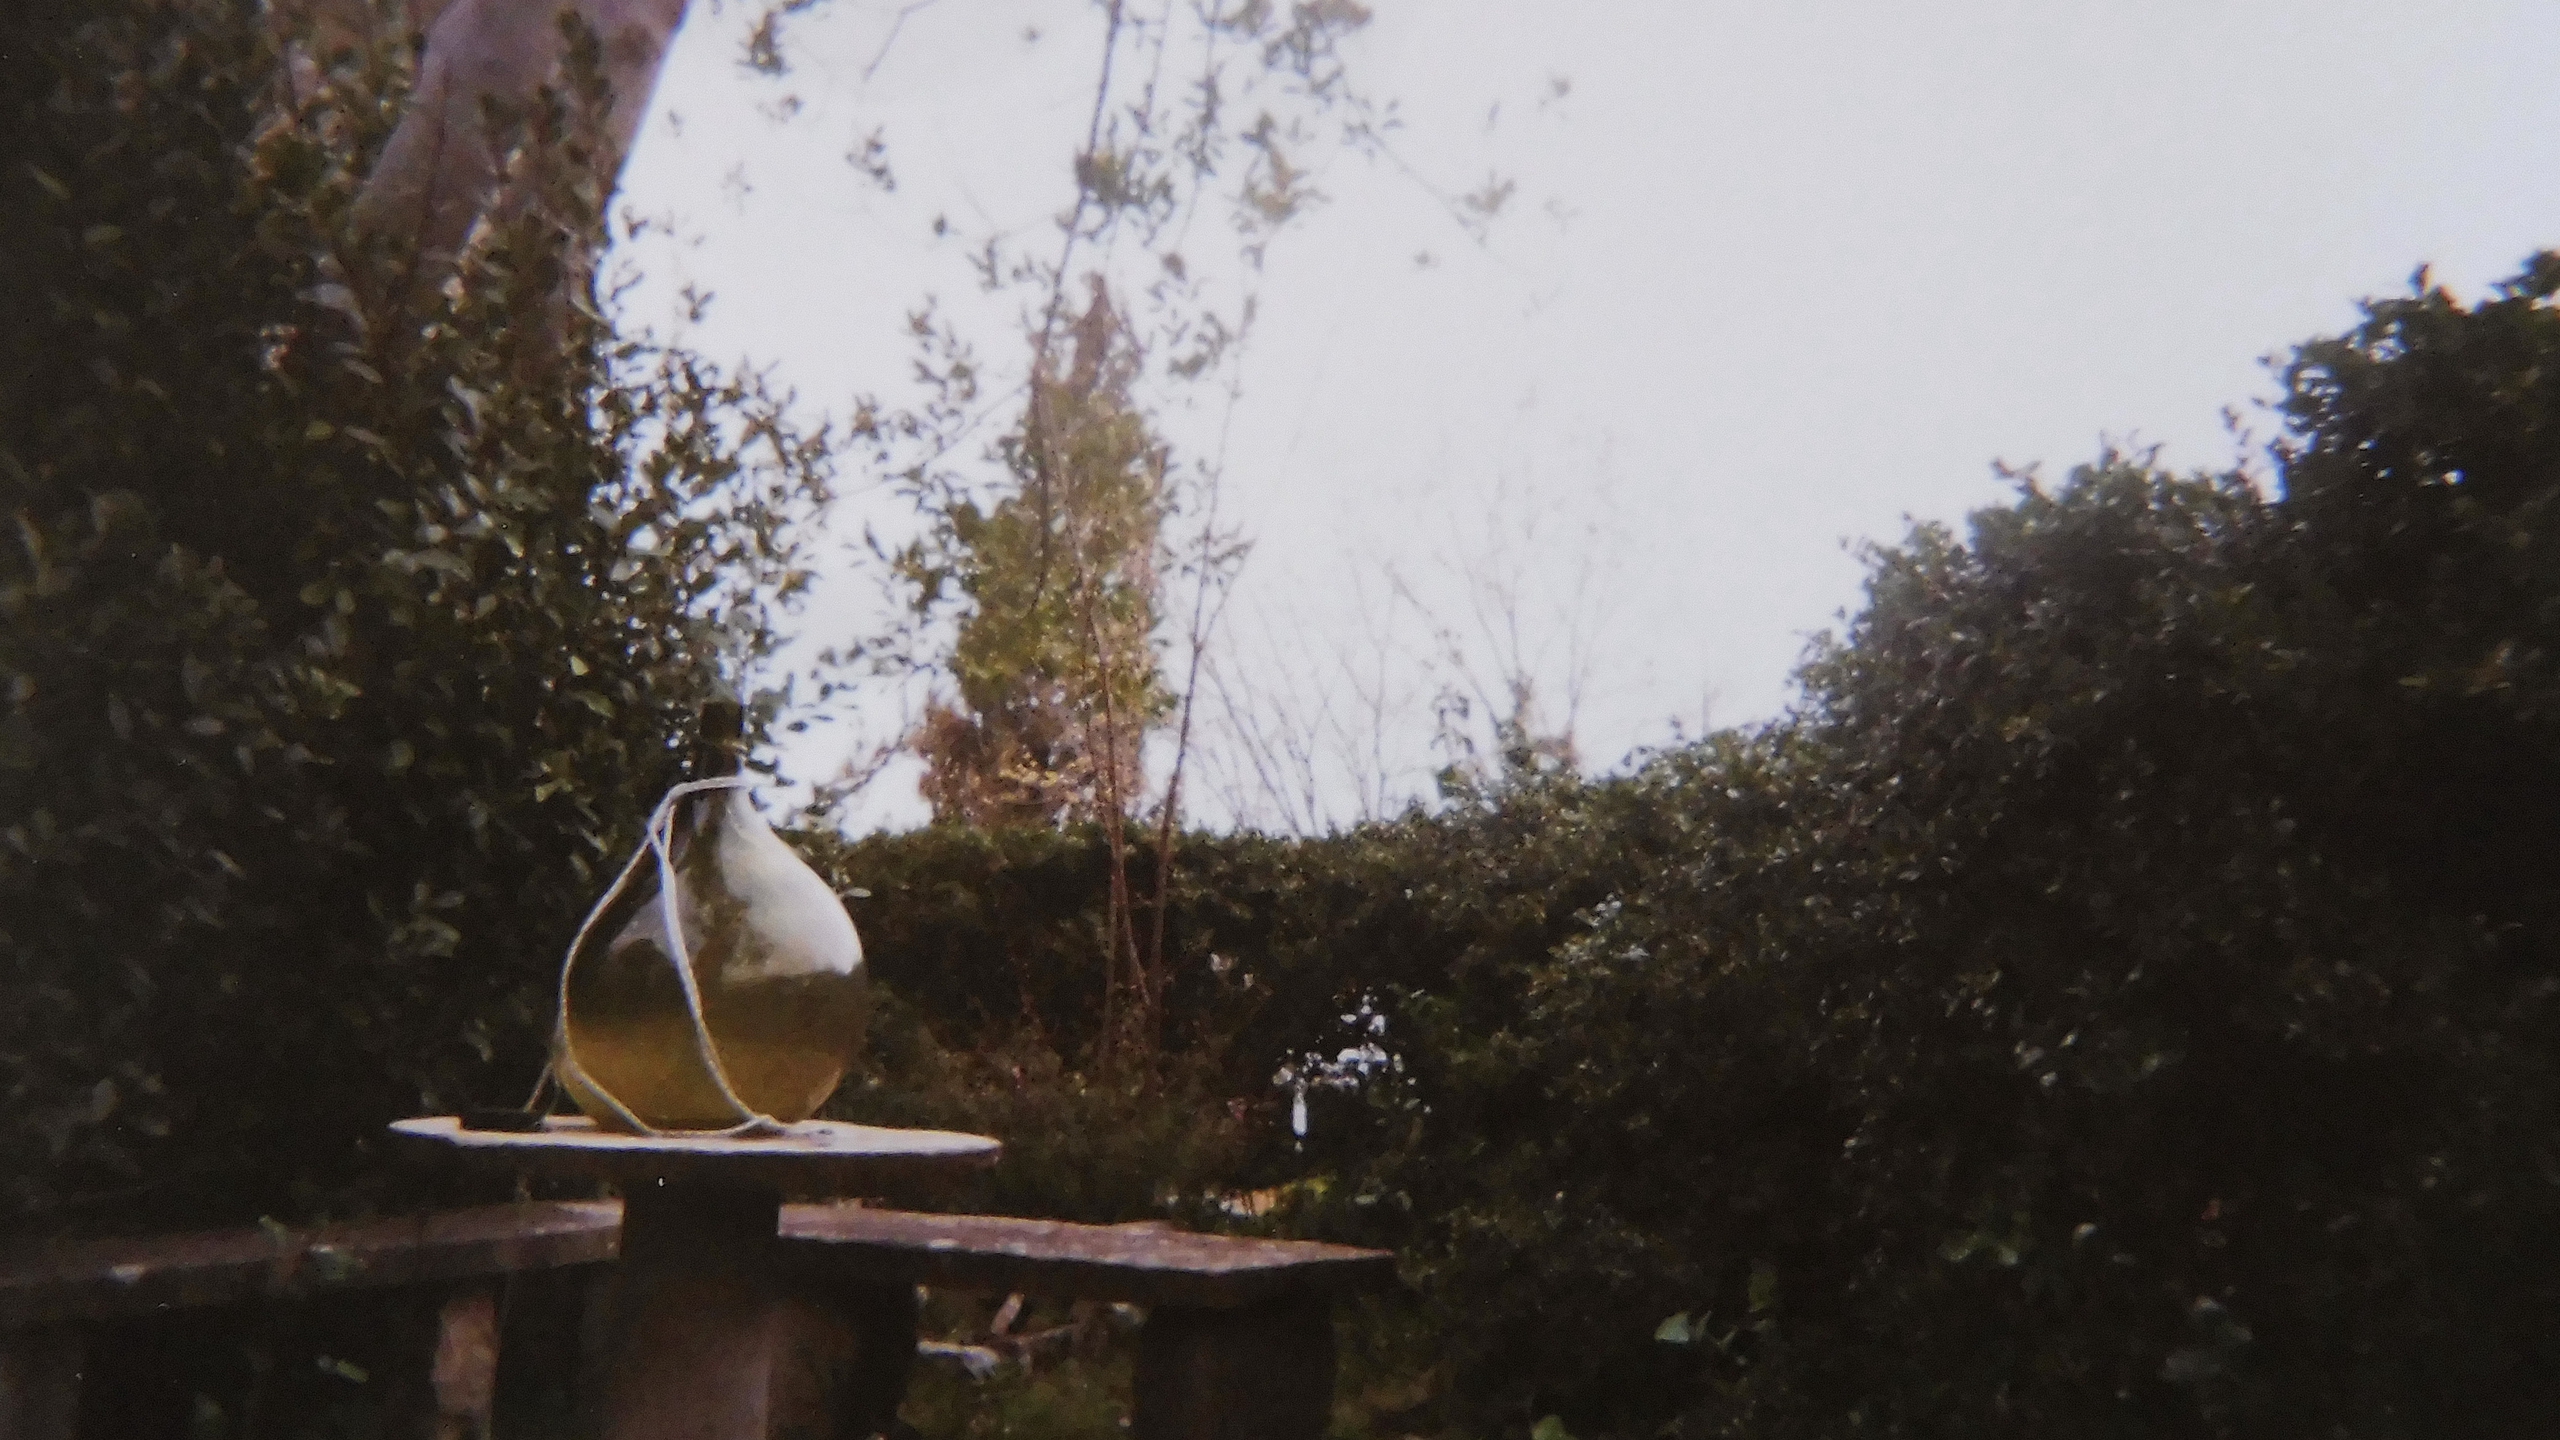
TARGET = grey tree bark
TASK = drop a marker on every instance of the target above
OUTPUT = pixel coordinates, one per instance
(443, 169)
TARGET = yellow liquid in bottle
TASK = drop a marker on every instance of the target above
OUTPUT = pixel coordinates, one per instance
(784, 994)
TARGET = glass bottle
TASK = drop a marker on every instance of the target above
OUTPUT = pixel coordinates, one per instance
(774, 957)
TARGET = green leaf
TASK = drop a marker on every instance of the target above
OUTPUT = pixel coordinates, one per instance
(1764, 1286)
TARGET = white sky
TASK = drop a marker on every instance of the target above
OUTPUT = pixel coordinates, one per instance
(1777, 276)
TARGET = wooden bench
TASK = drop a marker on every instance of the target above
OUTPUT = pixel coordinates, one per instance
(1238, 1340)
(51, 1293)
(1237, 1344)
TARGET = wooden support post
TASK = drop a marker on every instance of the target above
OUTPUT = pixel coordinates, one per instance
(39, 1382)
(439, 1370)
(462, 1376)
(698, 1311)
(1261, 1372)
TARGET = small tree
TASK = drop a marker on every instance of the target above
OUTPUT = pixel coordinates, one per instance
(1037, 593)
(1055, 657)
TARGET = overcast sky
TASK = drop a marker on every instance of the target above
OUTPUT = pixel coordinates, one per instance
(1774, 277)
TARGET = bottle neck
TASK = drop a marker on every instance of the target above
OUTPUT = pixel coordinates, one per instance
(719, 750)
(719, 741)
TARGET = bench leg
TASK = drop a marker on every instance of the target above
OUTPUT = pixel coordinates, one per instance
(463, 1376)
(438, 1375)
(1260, 1373)
(39, 1383)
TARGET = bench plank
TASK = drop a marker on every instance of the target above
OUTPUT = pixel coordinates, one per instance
(1144, 1264)
(51, 1283)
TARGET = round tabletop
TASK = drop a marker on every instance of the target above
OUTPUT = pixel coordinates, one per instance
(813, 1156)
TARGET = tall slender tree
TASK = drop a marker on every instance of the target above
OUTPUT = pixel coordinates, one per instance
(1055, 659)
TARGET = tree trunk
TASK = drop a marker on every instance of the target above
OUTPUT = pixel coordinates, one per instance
(441, 171)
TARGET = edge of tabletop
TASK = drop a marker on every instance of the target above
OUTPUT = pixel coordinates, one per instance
(818, 1149)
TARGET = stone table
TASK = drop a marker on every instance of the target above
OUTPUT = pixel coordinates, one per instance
(704, 1272)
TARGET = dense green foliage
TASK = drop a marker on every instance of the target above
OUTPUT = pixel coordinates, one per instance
(2121, 1000)
(340, 641)
(2121, 1003)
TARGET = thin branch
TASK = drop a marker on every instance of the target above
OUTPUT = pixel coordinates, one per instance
(896, 24)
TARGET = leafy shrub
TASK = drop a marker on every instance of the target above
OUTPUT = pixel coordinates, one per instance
(2120, 1003)
(990, 946)
(339, 642)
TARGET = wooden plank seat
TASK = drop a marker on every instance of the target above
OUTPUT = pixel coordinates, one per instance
(1238, 1341)
(51, 1292)
(101, 1279)
(1145, 1263)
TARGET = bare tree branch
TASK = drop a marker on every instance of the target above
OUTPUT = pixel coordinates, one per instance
(896, 24)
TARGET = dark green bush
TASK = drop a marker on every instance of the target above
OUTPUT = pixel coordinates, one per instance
(341, 644)
(2121, 1003)
(991, 945)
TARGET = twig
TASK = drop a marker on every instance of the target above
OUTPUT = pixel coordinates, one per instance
(896, 24)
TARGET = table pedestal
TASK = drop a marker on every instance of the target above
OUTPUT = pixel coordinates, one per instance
(711, 1335)
(699, 1312)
